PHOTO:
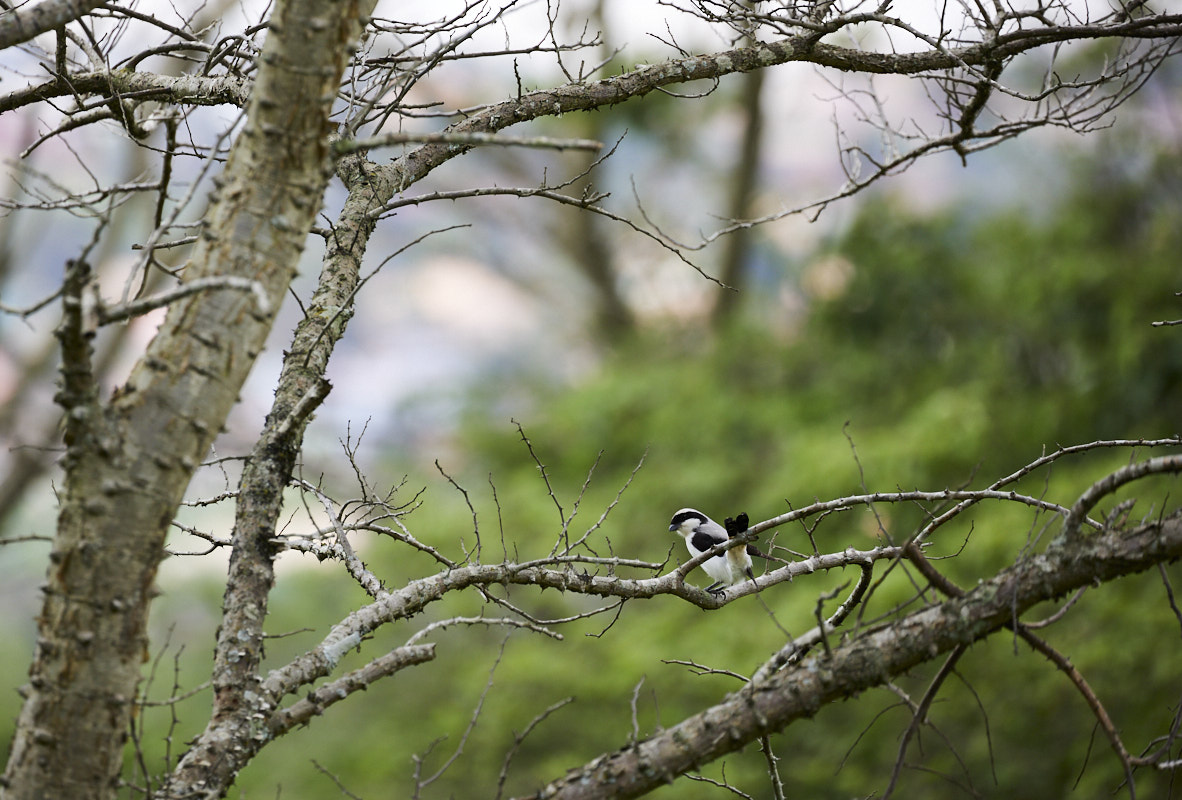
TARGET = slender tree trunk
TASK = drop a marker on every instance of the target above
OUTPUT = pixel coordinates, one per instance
(129, 460)
(592, 248)
(744, 185)
(240, 701)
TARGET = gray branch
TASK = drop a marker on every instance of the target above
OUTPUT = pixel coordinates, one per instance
(770, 705)
(21, 25)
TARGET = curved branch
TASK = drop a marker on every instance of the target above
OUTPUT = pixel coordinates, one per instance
(316, 702)
(936, 522)
(868, 661)
(1114, 481)
(21, 25)
(799, 647)
(127, 85)
(416, 595)
(1064, 665)
(967, 496)
(408, 169)
(919, 715)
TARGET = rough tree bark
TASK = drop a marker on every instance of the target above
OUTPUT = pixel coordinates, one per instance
(21, 25)
(130, 459)
(777, 700)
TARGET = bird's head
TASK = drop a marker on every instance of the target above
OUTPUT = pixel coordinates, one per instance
(686, 520)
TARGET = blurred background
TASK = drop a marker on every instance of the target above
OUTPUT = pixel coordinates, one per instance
(940, 329)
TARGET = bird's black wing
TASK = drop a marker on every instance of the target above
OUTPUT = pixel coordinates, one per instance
(704, 541)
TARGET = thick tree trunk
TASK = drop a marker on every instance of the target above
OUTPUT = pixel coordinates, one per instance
(234, 736)
(129, 460)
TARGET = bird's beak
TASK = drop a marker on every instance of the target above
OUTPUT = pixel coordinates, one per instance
(672, 528)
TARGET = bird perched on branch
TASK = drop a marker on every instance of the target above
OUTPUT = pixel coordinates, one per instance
(701, 533)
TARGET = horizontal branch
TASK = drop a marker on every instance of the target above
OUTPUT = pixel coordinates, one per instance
(22, 24)
(770, 705)
(843, 503)
(412, 598)
(346, 146)
(647, 78)
(105, 315)
(125, 84)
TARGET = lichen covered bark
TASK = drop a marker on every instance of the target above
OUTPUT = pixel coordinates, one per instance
(129, 460)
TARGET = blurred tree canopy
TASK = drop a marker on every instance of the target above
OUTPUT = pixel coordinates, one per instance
(214, 152)
(948, 345)
(971, 333)
(939, 346)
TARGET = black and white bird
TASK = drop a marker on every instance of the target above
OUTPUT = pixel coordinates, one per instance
(701, 533)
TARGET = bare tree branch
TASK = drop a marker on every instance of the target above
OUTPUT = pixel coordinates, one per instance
(316, 702)
(869, 660)
(21, 25)
(317, 87)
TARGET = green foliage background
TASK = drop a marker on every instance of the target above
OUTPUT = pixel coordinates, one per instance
(963, 345)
